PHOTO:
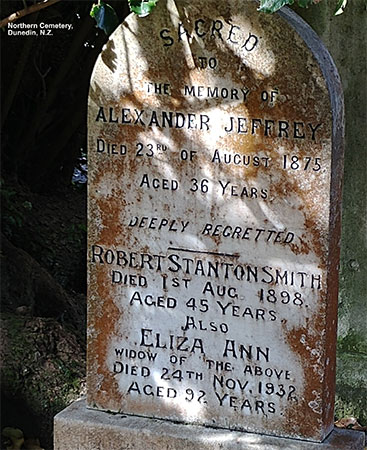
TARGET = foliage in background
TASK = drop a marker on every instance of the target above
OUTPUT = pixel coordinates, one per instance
(107, 20)
(340, 7)
(13, 210)
(270, 6)
(105, 17)
(142, 8)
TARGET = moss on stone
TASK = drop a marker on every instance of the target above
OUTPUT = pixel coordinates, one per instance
(351, 386)
(352, 343)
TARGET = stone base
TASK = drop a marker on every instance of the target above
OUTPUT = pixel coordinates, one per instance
(79, 428)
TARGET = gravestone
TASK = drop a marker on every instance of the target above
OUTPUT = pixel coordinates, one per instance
(215, 163)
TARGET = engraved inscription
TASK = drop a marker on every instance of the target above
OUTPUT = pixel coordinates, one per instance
(209, 206)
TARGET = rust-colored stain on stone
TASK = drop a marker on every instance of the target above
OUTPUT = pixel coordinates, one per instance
(101, 318)
(214, 217)
(308, 347)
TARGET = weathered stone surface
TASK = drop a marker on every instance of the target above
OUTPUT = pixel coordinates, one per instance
(79, 428)
(340, 33)
(215, 159)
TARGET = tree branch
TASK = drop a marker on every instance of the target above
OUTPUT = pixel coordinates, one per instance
(24, 12)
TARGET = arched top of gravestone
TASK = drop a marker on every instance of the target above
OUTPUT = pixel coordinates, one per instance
(249, 43)
(213, 44)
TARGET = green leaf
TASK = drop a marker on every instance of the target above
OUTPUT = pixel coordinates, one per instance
(340, 7)
(105, 17)
(304, 3)
(270, 6)
(142, 7)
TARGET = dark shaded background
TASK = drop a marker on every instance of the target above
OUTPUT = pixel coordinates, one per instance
(44, 91)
